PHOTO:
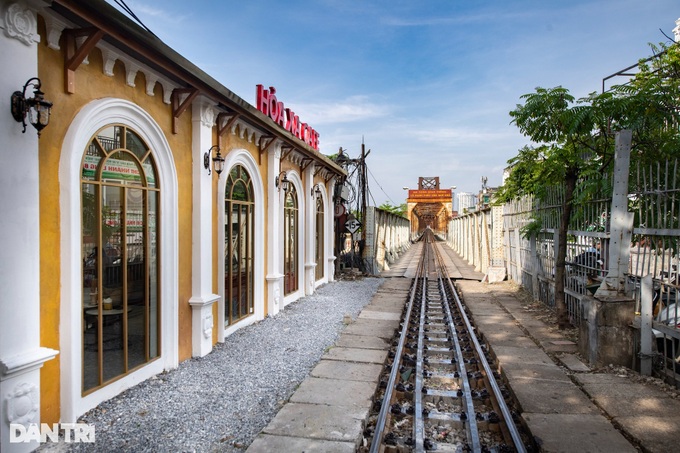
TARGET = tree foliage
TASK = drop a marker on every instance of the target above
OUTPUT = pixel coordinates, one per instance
(572, 140)
(398, 210)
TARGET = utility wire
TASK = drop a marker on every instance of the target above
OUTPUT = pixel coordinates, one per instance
(128, 10)
(383, 190)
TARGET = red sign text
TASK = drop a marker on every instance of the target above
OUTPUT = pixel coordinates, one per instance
(285, 117)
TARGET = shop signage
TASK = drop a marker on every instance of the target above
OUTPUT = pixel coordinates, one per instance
(268, 104)
(116, 170)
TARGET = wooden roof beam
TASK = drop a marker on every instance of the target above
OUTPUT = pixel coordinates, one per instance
(305, 163)
(231, 119)
(76, 54)
(265, 142)
(178, 106)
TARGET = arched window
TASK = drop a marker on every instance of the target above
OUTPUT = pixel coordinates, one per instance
(319, 239)
(290, 242)
(239, 237)
(120, 197)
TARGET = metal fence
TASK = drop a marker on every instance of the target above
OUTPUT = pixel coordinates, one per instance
(530, 258)
(629, 228)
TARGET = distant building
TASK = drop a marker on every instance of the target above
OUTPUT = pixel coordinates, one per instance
(466, 201)
(484, 197)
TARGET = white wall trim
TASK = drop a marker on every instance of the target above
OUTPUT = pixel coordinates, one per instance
(296, 181)
(86, 123)
(245, 159)
(327, 236)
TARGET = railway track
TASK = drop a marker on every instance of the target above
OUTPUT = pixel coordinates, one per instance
(438, 391)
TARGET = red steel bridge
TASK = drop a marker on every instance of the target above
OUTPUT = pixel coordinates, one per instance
(429, 206)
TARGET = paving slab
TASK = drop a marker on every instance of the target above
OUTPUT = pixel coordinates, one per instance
(265, 443)
(388, 299)
(620, 397)
(614, 386)
(658, 434)
(386, 308)
(333, 369)
(362, 341)
(481, 302)
(643, 411)
(559, 347)
(335, 392)
(548, 396)
(356, 355)
(397, 284)
(492, 316)
(568, 433)
(358, 328)
(509, 356)
(550, 372)
(572, 362)
(317, 421)
(507, 337)
(382, 315)
(618, 408)
(376, 323)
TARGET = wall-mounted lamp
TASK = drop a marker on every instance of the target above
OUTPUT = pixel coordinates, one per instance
(218, 160)
(316, 191)
(37, 108)
(281, 181)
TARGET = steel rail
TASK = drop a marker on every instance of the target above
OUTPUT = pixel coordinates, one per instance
(507, 415)
(471, 422)
(389, 390)
(418, 419)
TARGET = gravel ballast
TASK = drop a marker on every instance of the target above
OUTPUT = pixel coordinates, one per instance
(220, 402)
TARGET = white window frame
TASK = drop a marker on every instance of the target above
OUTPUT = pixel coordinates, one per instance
(90, 119)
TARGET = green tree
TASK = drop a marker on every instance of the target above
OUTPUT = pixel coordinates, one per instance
(398, 210)
(573, 142)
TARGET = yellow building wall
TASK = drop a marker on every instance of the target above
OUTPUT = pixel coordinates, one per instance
(91, 83)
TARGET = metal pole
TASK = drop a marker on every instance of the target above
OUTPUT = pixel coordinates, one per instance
(646, 295)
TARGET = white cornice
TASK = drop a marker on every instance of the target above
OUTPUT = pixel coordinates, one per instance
(26, 361)
(55, 27)
(132, 67)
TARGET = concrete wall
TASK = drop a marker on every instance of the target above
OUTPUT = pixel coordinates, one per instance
(387, 237)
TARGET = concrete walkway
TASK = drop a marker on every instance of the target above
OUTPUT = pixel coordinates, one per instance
(327, 412)
(567, 406)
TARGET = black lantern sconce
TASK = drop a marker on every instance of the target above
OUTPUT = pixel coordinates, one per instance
(218, 160)
(37, 108)
(281, 181)
(316, 191)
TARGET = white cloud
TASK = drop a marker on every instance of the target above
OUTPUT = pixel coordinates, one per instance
(351, 109)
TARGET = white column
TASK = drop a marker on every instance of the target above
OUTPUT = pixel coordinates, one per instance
(309, 225)
(274, 233)
(21, 356)
(202, 299)
(329, 235)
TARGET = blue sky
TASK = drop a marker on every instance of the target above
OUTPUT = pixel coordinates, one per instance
(427, 79)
